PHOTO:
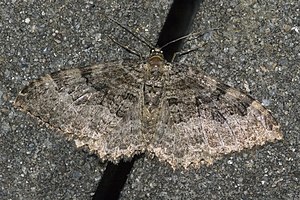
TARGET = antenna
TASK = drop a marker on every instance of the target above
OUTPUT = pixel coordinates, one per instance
(186, 36)
(143, 40)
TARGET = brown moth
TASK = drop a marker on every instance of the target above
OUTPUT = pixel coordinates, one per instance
(170, 110)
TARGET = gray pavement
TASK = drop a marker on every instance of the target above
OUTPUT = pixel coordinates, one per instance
(256, 48)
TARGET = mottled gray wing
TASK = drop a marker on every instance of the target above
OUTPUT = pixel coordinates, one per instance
(203, 119)
(98, 106)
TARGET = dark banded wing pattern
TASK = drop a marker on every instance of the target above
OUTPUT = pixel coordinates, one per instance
(180, 115)
(205, 119)
(97, 106)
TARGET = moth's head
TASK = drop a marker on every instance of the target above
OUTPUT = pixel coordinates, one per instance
(156, 58)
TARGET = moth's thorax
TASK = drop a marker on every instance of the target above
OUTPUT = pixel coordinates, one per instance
(155, 75)
(155, 65)
(156, 61)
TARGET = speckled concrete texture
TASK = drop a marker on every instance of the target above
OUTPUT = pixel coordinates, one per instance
(256, 48)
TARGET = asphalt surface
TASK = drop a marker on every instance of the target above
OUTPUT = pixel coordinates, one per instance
(256, 48)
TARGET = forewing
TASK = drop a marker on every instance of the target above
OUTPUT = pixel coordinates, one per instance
(98, 106)
(204, 119)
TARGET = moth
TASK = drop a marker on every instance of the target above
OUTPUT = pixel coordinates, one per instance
(170, 110)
